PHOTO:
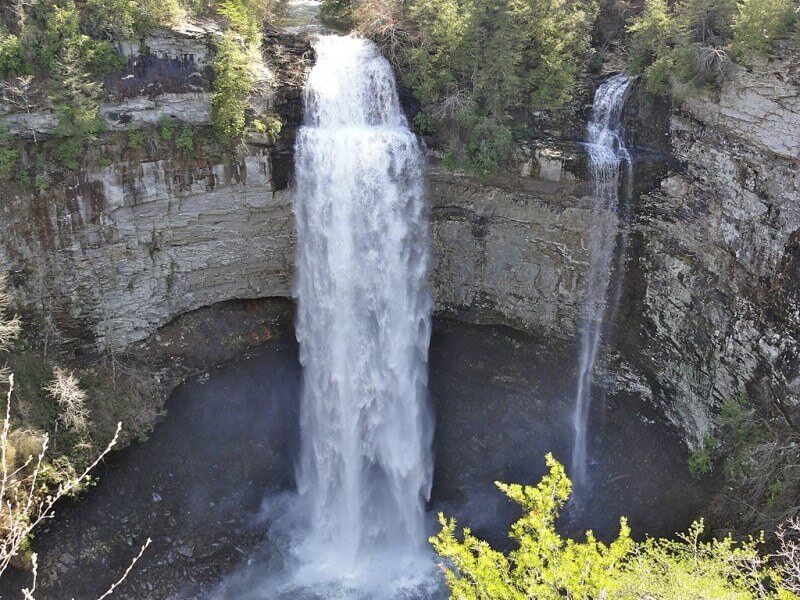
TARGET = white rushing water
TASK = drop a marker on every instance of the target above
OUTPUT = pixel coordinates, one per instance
(364, 325)
(607, 157)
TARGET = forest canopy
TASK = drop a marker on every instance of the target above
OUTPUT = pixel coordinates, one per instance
(480, 67)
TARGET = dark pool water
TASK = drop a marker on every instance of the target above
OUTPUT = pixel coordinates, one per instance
(197, 486)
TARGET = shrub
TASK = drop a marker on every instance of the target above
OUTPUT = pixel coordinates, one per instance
(185, 141)
(9, 156)
(166, 128)
(651, 35)
(337, 13)
(546, 566)
(270, 125)
(706, 22)
(701, 460)
(12, 56)
(243, 18)
(233, 85)
(9, 162)
(761, 22)
(684, 46)
(136, 137)
(158, 13)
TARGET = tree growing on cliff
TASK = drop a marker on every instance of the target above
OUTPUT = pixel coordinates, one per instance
(479, 67)
(688, 45)
(760, 22)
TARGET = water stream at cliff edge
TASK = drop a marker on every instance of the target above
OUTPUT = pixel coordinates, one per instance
(364, 327)
(607, 156)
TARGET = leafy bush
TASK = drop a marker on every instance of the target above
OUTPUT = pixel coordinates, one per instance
(761, 22)
(9, 162)
(242, 18)
(684, 46)
(338, 13)
(126, 19)
(9, 157)
(136, 137)
(270, 125)
(167, 128)
(701, 460)
(546, 566)
(185, 141)
(233, 85)
(12, 56)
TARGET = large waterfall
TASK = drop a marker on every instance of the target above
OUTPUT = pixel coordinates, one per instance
(364, 325)
(607, 156)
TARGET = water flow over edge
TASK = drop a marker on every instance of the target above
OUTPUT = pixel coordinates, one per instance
(364, 326)
(607, 156)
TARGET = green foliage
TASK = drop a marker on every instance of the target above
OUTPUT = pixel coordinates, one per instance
(684, 46)
(706, 22)
(233, 85)
(167, 126)
(237, 50)
(650, 38)
(338, 13)
(12, 56)
(270, 125)
(9, 157)
(185, 141)
(136, 137)
(546, 566)
(688, 567)
(62, 33)
(760, 22)
(160, 13)
(9, 162)
(701, 460)
(243, 18)
(126, 19)
(478, 65)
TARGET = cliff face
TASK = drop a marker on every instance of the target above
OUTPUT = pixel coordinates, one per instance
(121, 247)
(141, 234)
(514, 252)
(121, 250)
(712, 296)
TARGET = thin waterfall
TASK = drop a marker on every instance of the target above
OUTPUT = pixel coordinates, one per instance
(607, 156)
(363, 323)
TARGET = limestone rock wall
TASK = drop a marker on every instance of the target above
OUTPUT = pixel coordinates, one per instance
(120, 251)
(710, 292)
(712, 302)
(512, 253)
(140, 234)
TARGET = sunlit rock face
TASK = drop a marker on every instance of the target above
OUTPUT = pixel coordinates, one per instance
(713, 298)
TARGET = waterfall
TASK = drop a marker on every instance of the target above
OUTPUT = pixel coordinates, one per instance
(607, 156)
(364, 325)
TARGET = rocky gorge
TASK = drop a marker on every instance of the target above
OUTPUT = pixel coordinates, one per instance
(125, 245)
(165, 267)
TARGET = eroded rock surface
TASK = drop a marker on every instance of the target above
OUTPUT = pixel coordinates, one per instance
(713, 292)
(709, 303)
